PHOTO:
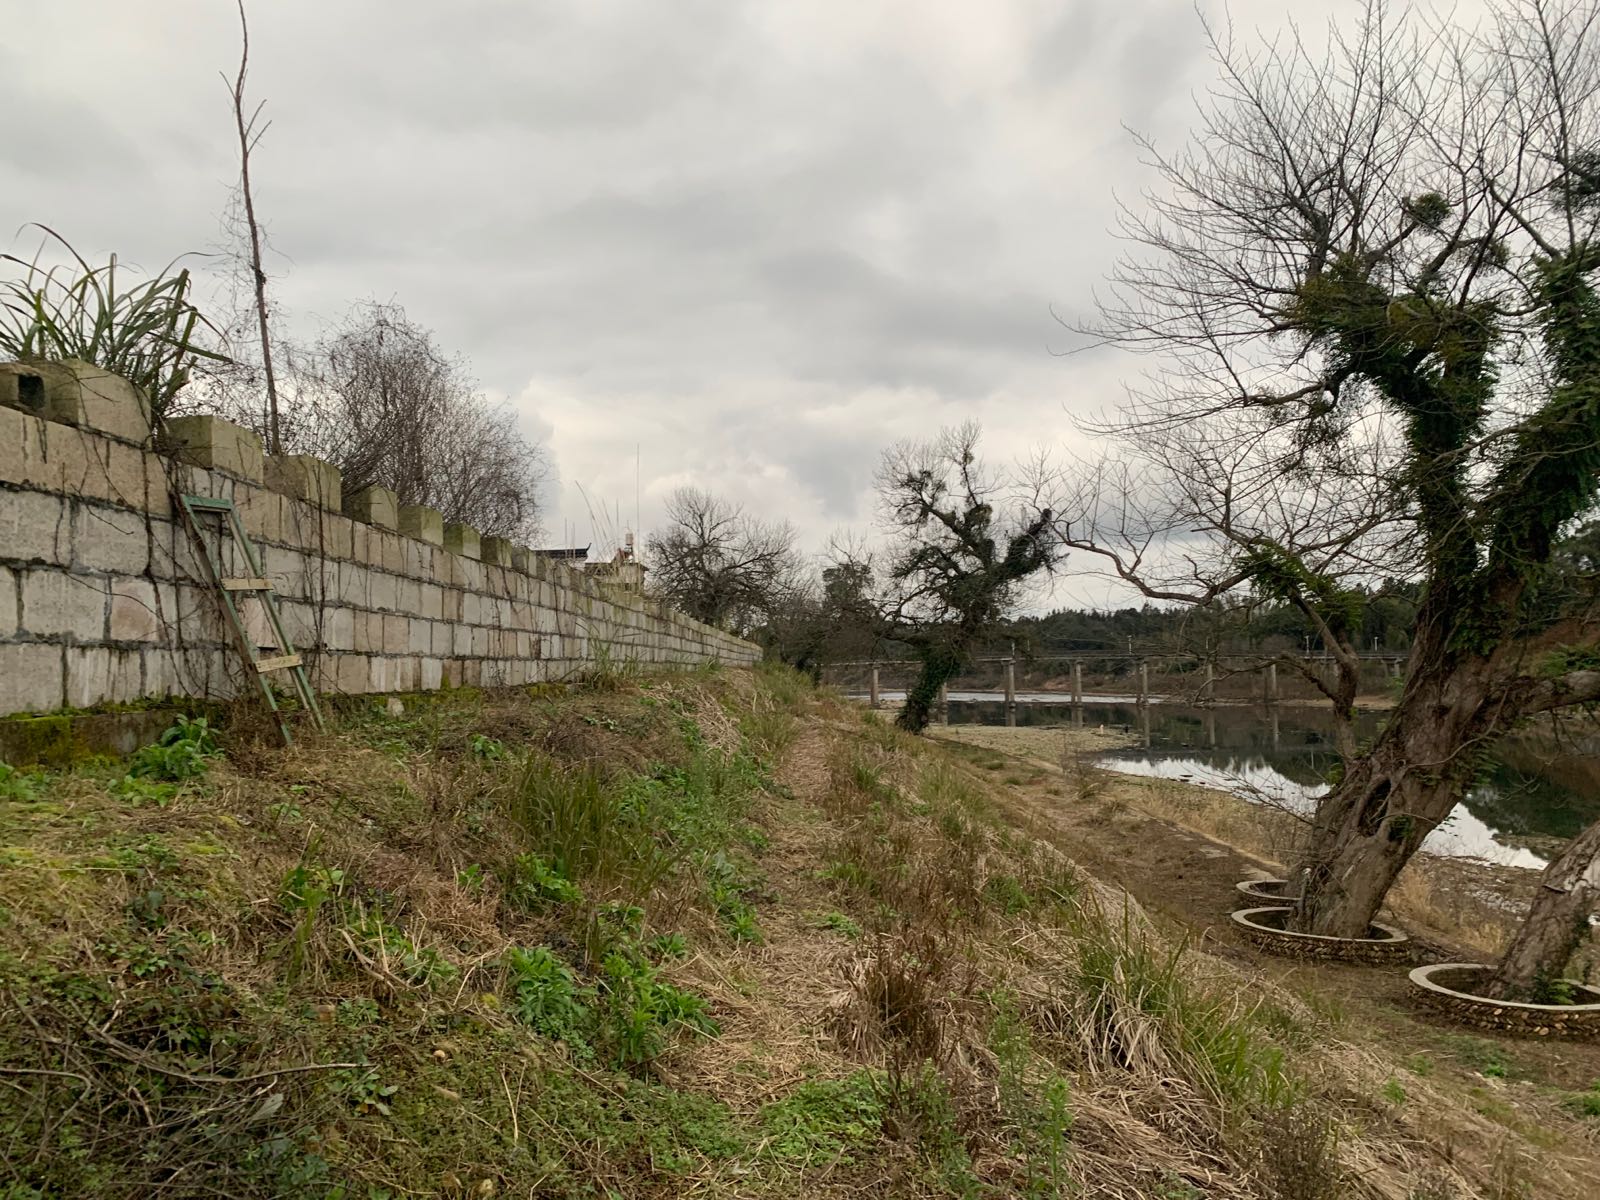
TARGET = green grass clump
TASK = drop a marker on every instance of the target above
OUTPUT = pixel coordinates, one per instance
(824, 1121)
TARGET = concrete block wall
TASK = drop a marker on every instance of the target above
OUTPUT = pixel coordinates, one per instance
(103, 599)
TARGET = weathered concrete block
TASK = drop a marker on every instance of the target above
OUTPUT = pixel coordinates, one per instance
(384, 590)
(215, 444)
(396, 634)
(462, 540)
(305, 477)
(432, 674)
(423, 523)
(31, 678)
(34, 527)
(100, 675)
(8, 602)
(109, 539)
(374, 506)
(522, 558)
(92, 398)
(26, 386)
(133, 611)
(58, 604)
(496, 550)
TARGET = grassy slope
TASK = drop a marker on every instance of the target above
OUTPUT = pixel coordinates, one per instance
(690, 936)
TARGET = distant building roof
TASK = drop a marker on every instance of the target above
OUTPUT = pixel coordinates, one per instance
(566, 554)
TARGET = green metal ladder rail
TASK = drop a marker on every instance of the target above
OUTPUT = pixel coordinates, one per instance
(287, 658)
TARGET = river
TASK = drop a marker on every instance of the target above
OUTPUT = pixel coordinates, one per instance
(1532, 793)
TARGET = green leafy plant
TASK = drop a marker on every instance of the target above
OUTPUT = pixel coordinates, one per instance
(641, 1010)
(402, 956)
(843, 925)
(536, 883)
(16, 785)
(546, 997)
(485, 748)
(145, 333)
(182, 752)
(305, 890)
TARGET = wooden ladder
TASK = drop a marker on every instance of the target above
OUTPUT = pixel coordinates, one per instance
(256, 583)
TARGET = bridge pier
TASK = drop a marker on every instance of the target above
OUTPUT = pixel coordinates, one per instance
(1011, 692)
(872, 689)
(1077, 682)
(1272, 683)
(1144, 690)
(944, 704)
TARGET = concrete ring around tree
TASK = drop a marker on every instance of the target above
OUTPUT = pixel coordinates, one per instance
(1431, 986)
(1264, 928)
(1272, 890)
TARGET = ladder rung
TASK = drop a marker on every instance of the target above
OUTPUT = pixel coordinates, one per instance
(263, 665)
(246, 585)
(209, 503)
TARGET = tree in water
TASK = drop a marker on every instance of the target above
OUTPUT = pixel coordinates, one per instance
(963, 543)
(1372, 277)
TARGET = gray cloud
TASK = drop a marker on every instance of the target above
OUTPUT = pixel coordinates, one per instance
(755, 241)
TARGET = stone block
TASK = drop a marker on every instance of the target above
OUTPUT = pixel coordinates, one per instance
(374, 506)
(31, 678)
(58, 604)
(424, 524)
(35, 527)
(134, 617)
(216, 445)
(384, 591)
(338, 629)
(26, 387)
(305, 477)
(354, 672)
(92, 398)
(521, 558)
(396, 634)
(420, 639)
(496, 550)
(432, 674)
(462, 540)
(8, 602)
(110, 539)
(101, 675)
(125, 476)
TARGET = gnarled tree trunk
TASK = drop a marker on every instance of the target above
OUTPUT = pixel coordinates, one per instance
(1372, 822)
(1556, 922)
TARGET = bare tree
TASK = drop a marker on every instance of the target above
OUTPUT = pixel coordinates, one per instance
(718, 564)
(963, 541)
(1371, 273)
(378, 398)
(249, 137)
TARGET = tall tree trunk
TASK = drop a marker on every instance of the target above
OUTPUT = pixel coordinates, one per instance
(1556, 922)
(1371, 823)
(940, 663)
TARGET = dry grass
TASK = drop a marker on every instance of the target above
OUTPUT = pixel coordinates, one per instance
(1021, 1028)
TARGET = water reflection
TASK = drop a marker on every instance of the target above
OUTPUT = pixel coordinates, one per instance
(1530, 794)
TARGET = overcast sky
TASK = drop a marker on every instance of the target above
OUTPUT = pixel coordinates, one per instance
(760, 240)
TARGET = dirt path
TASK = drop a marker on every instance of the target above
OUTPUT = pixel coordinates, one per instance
(1188, 878)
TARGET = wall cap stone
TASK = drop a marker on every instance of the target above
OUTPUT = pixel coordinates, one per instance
(217, 445)
(423, 523)
(374, 506)
(305, 477)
